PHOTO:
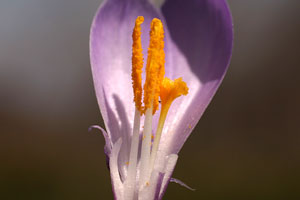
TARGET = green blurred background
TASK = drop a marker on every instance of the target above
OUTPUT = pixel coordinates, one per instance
(246, 146)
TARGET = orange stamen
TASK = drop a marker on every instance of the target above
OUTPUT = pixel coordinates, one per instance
(155, 66)
(137, 63)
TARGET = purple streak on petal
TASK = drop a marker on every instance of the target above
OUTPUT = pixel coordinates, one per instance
(202, 31)
(158, 185)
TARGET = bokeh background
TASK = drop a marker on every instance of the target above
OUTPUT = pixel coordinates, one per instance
(246, 146)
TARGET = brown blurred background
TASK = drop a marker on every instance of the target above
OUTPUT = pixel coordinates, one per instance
(246, 146)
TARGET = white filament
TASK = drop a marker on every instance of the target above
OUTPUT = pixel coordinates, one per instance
(146, 147)
(130, 182)
(156, 142)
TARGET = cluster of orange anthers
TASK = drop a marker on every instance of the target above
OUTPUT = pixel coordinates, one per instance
(156, 85)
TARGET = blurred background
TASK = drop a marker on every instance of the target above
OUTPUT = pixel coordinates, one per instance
(246, 146)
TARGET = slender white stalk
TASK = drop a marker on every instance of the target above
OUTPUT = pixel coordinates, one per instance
(146, 147)
(161, 122)
(130, 182)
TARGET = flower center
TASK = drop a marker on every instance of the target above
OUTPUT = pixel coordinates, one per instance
(156, 86)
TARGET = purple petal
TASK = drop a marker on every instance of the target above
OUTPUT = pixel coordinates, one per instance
(202, 31)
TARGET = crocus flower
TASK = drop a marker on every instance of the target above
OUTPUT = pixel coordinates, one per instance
(190, 42)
